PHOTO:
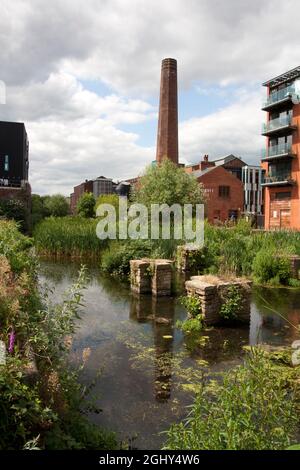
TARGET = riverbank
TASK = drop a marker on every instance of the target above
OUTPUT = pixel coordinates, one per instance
(41, 401)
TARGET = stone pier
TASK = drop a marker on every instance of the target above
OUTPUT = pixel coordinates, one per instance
(190, 259)
(151, 276)
(213, 292)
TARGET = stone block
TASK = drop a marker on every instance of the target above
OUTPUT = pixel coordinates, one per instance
(213, 293)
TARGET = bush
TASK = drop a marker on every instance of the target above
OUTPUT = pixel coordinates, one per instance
(253, 409)
(56, 205)
(116, 259)
(13, 209)
(86, 205)
(270, 267)
(231, 303)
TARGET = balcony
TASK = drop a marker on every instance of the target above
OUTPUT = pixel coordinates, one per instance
(277, 152)
(278, 98)
(278, 126)
(278, 179)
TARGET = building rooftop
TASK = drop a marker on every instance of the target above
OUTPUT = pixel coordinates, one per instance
(284, 77)
(226, 159)
(198, 173)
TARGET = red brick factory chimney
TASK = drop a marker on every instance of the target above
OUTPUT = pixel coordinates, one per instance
(167, 134)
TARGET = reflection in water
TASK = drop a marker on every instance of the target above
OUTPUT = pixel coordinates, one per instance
(149, 367)
(160, 312)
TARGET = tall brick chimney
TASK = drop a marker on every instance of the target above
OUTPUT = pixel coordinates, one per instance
(167, 134)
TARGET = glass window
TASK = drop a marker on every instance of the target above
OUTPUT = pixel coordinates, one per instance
(224, 191)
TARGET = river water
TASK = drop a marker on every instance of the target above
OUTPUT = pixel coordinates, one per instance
(146, 371)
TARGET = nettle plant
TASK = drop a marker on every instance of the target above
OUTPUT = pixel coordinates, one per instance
(195, 322)
(232, 303)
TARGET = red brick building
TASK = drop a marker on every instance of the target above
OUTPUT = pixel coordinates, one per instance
(224, 193)
(281, 155)
(79, 190)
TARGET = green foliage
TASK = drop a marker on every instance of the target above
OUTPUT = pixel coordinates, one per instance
(252, 409)
(22, 412)
(195, 322)
(192, 303)
(13, 209)
(115, 260)
(191, 325)
(270, 267)
(231, 303)
(49, 412)
(38, 209)
(112, 199)
(68, 236)
(86, 205)
(167, 184)
(14, 246)
(294, 447)
(240, 251)
(57, 205)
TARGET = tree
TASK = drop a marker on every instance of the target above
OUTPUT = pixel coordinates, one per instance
(38, 209)
(167, 184)
(56, 205)
(112, 199)
(86, 205)
(13, 209)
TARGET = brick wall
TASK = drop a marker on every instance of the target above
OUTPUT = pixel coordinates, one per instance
(218, 208)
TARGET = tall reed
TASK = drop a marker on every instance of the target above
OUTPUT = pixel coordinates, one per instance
(68, 236)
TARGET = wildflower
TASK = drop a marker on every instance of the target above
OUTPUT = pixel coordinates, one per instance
(12, 337)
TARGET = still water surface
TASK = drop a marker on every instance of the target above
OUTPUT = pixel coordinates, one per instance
(148, 368)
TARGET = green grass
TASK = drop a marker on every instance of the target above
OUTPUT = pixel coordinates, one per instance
(68, 236)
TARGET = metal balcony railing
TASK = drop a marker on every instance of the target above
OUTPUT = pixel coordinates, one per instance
(277, 150)
(279, 95)
(278, 177)
(275, 124)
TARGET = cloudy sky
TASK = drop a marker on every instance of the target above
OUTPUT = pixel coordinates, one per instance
(84, 77)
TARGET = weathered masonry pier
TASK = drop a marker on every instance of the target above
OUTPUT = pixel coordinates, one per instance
(151, 276)
(214, 292)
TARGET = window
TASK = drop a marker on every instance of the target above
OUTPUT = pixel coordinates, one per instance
(283, 195)
(6, 164)
(224, 191)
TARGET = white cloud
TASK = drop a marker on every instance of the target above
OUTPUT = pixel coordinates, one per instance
(233, 129)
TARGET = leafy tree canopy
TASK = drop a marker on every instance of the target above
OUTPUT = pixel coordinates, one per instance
(86, 205)
(167, 184)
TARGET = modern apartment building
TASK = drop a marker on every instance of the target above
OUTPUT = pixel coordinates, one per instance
(252, 178)
(98, 187)
(281, 155)
(14, 162)
(14, 149)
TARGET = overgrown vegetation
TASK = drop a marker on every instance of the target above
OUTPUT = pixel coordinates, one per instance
(231, 303)
(46, 206)
(14, 209)
(86, 205)
(68, 236)
(195, 321)
(43, 410)
(254, 408)
(240, 251)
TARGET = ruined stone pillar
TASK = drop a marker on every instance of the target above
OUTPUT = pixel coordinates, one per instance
(167, 135)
